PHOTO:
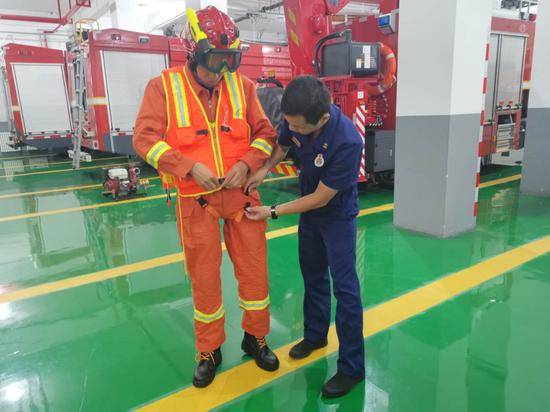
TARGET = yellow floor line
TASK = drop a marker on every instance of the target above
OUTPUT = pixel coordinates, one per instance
(28, 157)
(44, 165)
(80, 208)
(243, 379)
(131, 268)
(85, 187)
(59, 190)
(276, 179)
(47, 191)
(102, 205)
(145, 199)
(500, 181)
(100, 276)
(382, 208)
(48, 172)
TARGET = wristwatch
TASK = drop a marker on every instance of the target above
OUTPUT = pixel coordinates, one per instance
(273, 211)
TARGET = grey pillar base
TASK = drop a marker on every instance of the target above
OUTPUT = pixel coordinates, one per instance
(444, 233)
(436, 166)
(536, 161)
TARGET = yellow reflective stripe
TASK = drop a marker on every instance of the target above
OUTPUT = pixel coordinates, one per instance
(235, 44)
(177, 101)
(216, 127)
(234, 95)
(213, 133)
(209, 318)
(262, 145)
(185, 108)
(294, 38)
(154, 154)
(243, 100)
(167, 102)
(202, 193)
(254, 304)
(180, 99)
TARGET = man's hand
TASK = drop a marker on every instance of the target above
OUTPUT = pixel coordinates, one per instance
(204, 177)
(255, 180)
(258, 212)
(236, 176)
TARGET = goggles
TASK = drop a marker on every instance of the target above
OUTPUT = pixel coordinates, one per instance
(219, 60)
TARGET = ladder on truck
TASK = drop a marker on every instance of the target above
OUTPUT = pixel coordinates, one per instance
(79, 108)
(82, 28)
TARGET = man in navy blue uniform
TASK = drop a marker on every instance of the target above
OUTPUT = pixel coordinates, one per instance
(329, 150)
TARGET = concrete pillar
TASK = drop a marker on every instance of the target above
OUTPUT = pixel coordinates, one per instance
(442, 47)
(536, 162)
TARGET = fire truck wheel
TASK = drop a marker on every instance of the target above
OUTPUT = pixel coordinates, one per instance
(386, 179)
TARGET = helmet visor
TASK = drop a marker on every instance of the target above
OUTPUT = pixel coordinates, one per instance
(219, 61)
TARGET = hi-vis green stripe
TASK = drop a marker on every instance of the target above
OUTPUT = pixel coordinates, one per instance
(262, 145)
(254, 304)
(180, 99)
(209, 318)
(156, 152)
(237, 103)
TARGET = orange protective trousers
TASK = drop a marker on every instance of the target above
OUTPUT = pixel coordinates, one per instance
(199, 230)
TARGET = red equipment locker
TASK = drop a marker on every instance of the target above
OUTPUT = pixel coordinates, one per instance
(38, 99)
(508, 79)
(117, 66)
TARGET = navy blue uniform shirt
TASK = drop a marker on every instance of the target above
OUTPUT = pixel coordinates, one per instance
(334, 158)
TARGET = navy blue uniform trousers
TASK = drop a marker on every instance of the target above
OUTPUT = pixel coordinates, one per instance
(330, 243)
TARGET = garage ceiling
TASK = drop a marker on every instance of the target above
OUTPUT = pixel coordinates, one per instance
(42, 8)
(260, 26)
(270, 25)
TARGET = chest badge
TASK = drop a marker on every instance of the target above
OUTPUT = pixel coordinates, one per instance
(319, 160)
(296, 141)
(325, 146)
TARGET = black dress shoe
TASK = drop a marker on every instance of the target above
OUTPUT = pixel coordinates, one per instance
(304, 348)
(207, 364)
(258, 349)
(339, 385)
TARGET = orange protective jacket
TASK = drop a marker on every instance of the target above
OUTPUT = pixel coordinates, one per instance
(181, 123)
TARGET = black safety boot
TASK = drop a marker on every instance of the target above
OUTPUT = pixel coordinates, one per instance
(339, 385)
(304, 348)
(258, 349)
(207, 364)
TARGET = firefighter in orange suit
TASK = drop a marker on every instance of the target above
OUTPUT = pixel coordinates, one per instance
(202, 127)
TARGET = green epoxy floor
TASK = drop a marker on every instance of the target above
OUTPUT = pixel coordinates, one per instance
(120, 343)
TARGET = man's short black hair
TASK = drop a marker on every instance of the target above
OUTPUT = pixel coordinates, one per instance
(306, 96)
